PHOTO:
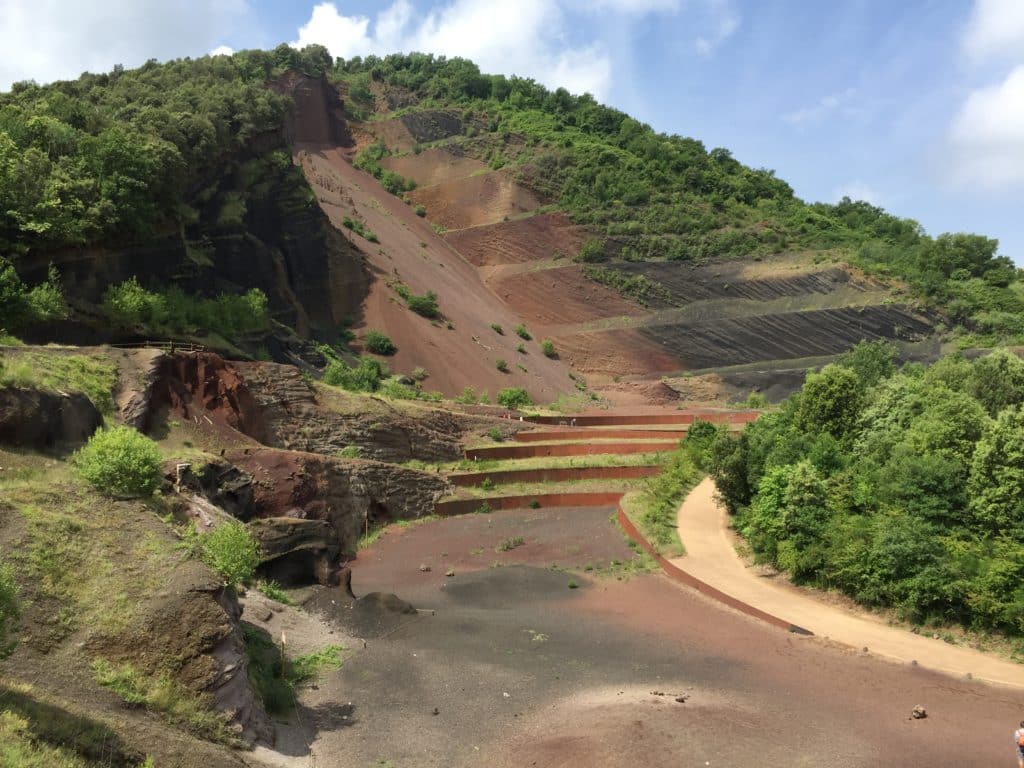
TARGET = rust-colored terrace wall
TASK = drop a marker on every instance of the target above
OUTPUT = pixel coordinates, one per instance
(527, 451)
(599, 434)
(678, 574)
(554, 475)
(581, 499)
(682, 417)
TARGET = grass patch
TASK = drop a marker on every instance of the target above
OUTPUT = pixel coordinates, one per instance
(160, 693)
(509, 544)
(91, 375)
(273, 590)
(277, 678)
(654, 509)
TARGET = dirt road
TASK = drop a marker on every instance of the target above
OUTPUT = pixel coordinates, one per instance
(711, 557)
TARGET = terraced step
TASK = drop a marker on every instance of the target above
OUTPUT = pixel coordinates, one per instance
(529, 450)
(553, 475)
(640, 419)
(450, 507)
(553, 435)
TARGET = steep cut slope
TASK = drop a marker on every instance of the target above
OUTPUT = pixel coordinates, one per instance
(459, 348)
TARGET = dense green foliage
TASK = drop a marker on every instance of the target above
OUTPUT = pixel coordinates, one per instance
(425, 305)
(654, 196)
(120, 461)
(379, 343)
(364, 377)
(129, 304)
(514, 397)
(902, 489)
(113, 155)
(232, 552)
(21, 305)
(655, 509)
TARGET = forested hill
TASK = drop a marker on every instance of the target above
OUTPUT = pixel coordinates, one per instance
(128, 156)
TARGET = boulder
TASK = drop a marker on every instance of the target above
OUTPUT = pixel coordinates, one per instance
(44, 420)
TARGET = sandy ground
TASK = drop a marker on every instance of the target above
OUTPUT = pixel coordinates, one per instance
(711, 556)
(508, 666)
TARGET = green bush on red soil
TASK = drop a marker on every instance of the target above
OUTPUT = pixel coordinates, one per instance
(120, 461)
(514, 397)
(379, 343)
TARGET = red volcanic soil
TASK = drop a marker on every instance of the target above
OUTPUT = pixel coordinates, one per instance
(508, 665)
(470, 202)
(432, 166)
(533, 238)
(559, 296)
(409, 251)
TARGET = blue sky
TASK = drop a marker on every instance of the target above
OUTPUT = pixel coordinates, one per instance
(917, 106)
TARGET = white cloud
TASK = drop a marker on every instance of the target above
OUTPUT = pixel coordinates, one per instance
(835, 103)
(724, 21)
(987, 135)
(47, 40)
(530, 38)
(857, 190)
(996, 28)
(222, 50)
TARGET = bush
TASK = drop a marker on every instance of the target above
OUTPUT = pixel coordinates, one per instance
(379, 343)
(232, 552)
(501, 365)
(495, 434)
(365, 377)
(497, 329)
(426, 305)
(514, 397)
(591, 251)
(420, 211)
(120, 461)
(466, 397)
(522, 333)
(548, 348)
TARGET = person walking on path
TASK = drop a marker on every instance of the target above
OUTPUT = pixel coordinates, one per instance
(1018, 741)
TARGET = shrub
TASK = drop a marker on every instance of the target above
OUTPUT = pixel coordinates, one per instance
(120, 461)
(534, 504)
(232, 552)
(514, 397)
(487, 484)
(497, 329)
(130, 304)
(365, 377)
(522, 333)
(426, 305)
(419, 373)
(591, 251)
(501, 365)
(467, 397)
(495, 434)
(548, 348)
(350, 452)
(420, 211)
(521, 349)
(379, 343)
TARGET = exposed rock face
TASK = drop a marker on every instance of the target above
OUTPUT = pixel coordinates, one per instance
(349, 495)
(203, 387)
(295, 549)
(42, 420)
(294, 420)
(222, 484)
(192, 627)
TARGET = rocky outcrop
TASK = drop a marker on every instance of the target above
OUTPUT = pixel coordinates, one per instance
(44, 420)
(297, 551)
(202, 387)
(220, 483)
(296, 421)
(349, 495)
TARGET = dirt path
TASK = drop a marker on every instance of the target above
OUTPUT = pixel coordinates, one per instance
(712, 557)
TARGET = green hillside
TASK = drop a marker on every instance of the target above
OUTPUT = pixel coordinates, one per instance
(131, 155)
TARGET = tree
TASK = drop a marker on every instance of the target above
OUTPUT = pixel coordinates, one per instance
(996, 484)
(872, 361)
(997, 380)
(830, 401)
(514, 397)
